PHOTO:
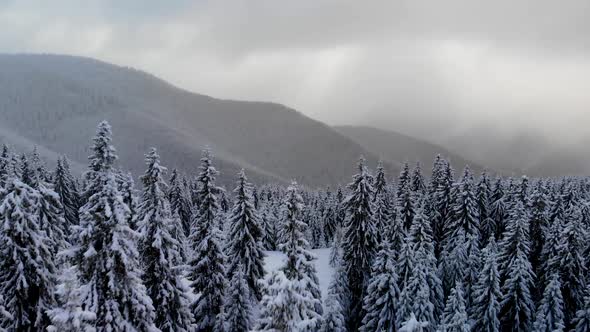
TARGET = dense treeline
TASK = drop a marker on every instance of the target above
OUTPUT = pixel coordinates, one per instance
(180, 253)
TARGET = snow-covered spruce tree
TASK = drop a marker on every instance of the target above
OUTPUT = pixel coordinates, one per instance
(421, 235)
(69, 315)
(245, 238)
(454, 260)
(498, 211)
(207, 270)
(413, 325)
(282, 306)
(300, 262)
(473, 267)
(27, 270)
(582, 321)
(330, 217)
(551, 253)
(550, 312)
(405, 198)
(406, 260)
(415, 296)
(105, 250)
(4, 166)
(179, 202)
(404, 179)
(418, 185)
(359, 241)
(126, 186)
(465, 209)
(382, 211)
(516, 239)
(336, 253)
(455, 316)
(269, 218)
(161, 252)
(26, 173)
(381, 299)
(482, 196)
(486, 292)
(572, 242)
(538, 223)
(517, 308)
(65, 187)
(38, 167)
(336, 304)
(237, 305)
(51, 217)
(440, 201)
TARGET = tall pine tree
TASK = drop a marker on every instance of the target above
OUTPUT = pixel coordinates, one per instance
(245, 237)
(161, 252)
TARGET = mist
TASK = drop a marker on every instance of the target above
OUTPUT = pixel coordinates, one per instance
(471, 76)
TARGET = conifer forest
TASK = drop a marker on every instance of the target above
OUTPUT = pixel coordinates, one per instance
(437, 249)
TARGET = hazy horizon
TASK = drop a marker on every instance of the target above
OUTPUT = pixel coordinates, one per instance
(499, 72)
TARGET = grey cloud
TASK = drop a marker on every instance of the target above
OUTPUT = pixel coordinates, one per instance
(436, 69)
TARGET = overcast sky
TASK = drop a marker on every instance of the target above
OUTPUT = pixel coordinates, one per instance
(422, 67)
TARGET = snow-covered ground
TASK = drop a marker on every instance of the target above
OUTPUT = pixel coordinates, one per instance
(275, 259)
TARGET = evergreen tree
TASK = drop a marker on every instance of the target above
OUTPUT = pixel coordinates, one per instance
(38, 167)
(517, 305)
(465, 209)
(582, 321)
(285, 306)
(27, 270)
(179, 202)
(404, 180)
(380, 303)
(4, 166)
(207, 271)
(572, 243)
(360, 241)
(126, 186)
(486, 292)
(336, 302)
(415, 296)
(69, 316)
(455, 316)
(483, 194)
(330, 217)
(421, 235)
(51, 217)
(551, 252)
(550, 312)
(413, 325)
(538, 223)
(269, 217)
(105, 252)
(67, 191)
(418, 184)
(440, 201)
(498, 211)
(405, 263)
(27, 174)
(454, 261)
(237, 313)
(405, 202)
(245, 238)
(380, 199)
(161, 252)
(299, 266)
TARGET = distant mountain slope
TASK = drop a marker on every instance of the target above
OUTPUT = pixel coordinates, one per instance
(398, 148)
(56, 102)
